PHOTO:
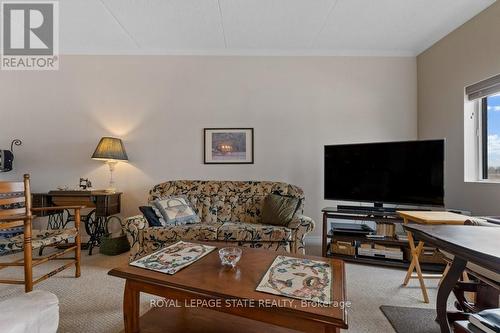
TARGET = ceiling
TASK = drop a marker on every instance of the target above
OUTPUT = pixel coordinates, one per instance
(263, 27)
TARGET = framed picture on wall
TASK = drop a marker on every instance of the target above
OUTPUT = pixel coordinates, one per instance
(228, 146)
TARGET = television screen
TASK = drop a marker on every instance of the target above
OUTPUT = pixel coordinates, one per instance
(410, 172)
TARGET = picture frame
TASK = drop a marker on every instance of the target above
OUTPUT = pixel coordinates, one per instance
(228, 145)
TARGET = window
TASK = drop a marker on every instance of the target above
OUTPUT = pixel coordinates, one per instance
(490, 137)
(482, 131)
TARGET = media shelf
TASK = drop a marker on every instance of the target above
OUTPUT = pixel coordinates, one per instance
(385, 241)
(432, 268)
(391, 217)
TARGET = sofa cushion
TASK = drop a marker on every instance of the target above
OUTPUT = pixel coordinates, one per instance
(279, 209)
(239, 231)
(211, 208)
(171, 233)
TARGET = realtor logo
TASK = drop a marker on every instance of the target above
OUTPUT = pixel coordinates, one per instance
(30, 35)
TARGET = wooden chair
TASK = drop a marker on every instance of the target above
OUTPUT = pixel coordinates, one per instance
(15, 212)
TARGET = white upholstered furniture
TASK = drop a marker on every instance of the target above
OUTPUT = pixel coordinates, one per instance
(33, 312)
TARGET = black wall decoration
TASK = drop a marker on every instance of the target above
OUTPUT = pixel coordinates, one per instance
(7, 156)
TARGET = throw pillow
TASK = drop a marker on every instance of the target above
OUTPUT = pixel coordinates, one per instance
(150, 216)
(279, 209)
(176, 210)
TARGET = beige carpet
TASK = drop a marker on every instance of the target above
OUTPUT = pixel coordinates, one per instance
(93, 303)
(369, 287)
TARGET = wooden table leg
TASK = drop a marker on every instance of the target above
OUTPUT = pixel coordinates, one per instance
(449, 281)
(419, 272)
(131, 308)
(414, 251)
(415, 265)
(446, 269)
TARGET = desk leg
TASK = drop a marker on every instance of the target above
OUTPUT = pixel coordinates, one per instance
(415, 252)
(415, 265)
(412, 247)
(95, 228)
(131, 308)
(419, 271)
(449, 281)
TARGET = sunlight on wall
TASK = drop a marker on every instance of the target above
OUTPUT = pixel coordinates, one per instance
(118, 121)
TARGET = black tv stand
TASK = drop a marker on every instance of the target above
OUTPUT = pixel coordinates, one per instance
(378, 207)
(353, 241)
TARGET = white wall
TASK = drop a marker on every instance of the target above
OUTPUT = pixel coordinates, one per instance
(160, 104)
(466, 56)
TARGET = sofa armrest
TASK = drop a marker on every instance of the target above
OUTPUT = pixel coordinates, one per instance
(133, 227)
(301, 225)
(301, 221)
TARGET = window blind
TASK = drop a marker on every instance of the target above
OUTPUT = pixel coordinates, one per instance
(484, 88)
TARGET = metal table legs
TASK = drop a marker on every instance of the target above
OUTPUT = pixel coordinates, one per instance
(95, 226)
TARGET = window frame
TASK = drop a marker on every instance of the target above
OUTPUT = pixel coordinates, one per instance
(475, 135)
(484, 138)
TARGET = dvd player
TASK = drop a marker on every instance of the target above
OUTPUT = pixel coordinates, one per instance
(350, 228)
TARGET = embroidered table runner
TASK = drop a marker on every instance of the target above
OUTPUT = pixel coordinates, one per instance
(299, 278)
(173, 258)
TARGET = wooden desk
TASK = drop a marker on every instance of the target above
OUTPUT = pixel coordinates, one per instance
(478, 245)
(104, 206)
(425, 217)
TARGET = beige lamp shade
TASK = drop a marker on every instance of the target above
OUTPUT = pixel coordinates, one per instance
(110, 149)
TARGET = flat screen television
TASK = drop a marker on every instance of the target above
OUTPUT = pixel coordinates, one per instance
(408, 172)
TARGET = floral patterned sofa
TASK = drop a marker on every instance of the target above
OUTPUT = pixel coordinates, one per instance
(230, 212)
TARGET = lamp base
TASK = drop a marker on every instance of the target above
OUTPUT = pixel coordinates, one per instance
(111, 188)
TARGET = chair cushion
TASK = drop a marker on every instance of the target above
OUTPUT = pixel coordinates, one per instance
(8, 233)
(477, 221)
(171, 233)
(238, 231)
(492, 276)
(473, 268)
(39, 238)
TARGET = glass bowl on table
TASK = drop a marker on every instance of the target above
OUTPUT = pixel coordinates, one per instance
(229, 256)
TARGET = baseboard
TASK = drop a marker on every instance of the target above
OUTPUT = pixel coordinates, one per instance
(313, 240)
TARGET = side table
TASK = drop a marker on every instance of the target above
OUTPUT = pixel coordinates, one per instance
(425, 217)
(104, 207)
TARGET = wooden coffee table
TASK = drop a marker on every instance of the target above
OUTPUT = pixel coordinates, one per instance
(193, 288)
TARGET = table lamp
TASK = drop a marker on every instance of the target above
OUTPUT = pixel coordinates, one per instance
(111, 151)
